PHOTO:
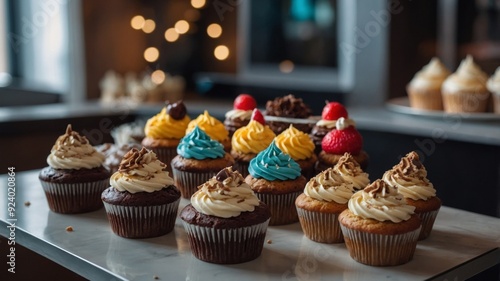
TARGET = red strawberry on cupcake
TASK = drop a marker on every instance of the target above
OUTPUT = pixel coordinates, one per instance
(241, 113)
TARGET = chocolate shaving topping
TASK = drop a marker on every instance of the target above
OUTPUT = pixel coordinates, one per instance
(223, 174)
(177, 110)
(378, 187)
(349, 163)
(410, 167)
(132, 160)
(70, 134)
(288, 106)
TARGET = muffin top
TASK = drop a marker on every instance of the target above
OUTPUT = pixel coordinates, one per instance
(288, 106)
(410, 177)
(252, 138)
(272, 164)
(493, 83)
(295, 143)
(141, 171)
(351, 171)
(170, 123)
(198, 145)
(214, 128)
(73, 151)
(329, 186)
(431, 76)
(382, 202)
(225, 195)
(468, 77)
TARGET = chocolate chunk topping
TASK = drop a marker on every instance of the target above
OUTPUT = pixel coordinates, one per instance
(177, 110)
(288, 106)
(132, 160)
(223, 174)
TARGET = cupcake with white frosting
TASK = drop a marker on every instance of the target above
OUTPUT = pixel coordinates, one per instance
(493, 85)
(351, 171)
(424, 90)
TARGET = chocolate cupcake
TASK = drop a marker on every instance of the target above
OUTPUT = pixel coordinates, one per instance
(241, 113)
(283, 111)
(114, 154)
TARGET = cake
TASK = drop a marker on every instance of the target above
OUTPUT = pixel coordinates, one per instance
(75, 176)
(325, 197)
(300, 147)
(276, 179)
(114, 154)
(241, 113)
(127, 133)
(331, 112)
(379, 228)
(493, 85)
(350, 171)
(165, 130)
(214, 128)
(249, 140)
(465, 90)
(424, 90)
(344, 138)
(286, 110)
(410, 177)
(225, 222)
(199, 158)
(142, 201)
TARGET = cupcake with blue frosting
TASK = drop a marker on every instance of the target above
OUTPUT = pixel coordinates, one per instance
(277, 180)
(198, 159)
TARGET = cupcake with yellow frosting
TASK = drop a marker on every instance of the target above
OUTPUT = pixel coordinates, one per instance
(424, 90)
(325, 197)
(165, 130)
(379, 227)
(410, 177)
(493, 85)
(214, 128)
(249, 140)
(142, 200)
(300, 147)
(465, 90)
(351, 171)
(225, 221)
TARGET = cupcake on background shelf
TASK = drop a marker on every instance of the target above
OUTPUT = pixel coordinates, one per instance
(276, 179)
(351, 171)
(331, 112)
(75, 178)
(379, 228)
(424, 90)
(199, 158)
(214, 128)
(114, 154)
(325, 197)
(286, 110)
(225, 222)
(128, 133)
(410, 177)
(493, 85)
(240, 115)
(249, 140)
(142, 200)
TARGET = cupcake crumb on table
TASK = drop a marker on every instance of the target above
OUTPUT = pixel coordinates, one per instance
(69, 228)
(27, 203)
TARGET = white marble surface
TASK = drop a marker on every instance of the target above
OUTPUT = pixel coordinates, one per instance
(92, 250)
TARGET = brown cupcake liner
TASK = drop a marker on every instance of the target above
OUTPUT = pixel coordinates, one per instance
(241, 167)
(142, 221)
(496, 103)
(379, 249)
(188, 182)
(464, 102)
(428, 219)
(425, 99)
(320, 227)
(226, 246)
(74, 198)
(282, 206)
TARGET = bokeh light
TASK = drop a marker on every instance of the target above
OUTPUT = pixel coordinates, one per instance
(151, 54)
(221, 52)
(214, 30)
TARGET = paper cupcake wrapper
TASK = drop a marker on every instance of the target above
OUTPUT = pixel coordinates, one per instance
(496, 102)
(226, 246)
(142, 221)
(428, 219)
(378, 249)
(282, 206)
(425, 99)
(241, 167)
(465, 102)
(188, 182)
(74, 198)
(320, 227)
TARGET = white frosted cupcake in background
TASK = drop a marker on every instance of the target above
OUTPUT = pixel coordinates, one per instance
(493, 85)
(424, 90)
(465, 90)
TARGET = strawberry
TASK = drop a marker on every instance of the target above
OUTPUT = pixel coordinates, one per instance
(257, 116)
(244, 102)
(341, 141)
(333, 111)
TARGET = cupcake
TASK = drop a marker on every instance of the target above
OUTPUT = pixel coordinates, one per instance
(410, 177)
(129, 133)
(379, 228)
(424, 90)
(225, 222)
(465, 90)
(325, 197)
(165, 130)
(276, 179)
(214, 128)
(350, 171)
(199, 158)
(283, 111)
(493, 85)
(241, 113)
(142, 200)
(250, 140)
(114, 154)
(300, 147)
(344, 138)
(75, 178)
(332, 111)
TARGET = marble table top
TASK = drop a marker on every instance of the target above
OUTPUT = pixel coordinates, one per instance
(461, 244)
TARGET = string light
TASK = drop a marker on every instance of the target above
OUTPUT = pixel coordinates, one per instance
(149, 26)
(151, 54)
(158, 76)
(171, 35)
(182, 26)
(137, 22)
(286, 66)
(214, 30)
(198, 3)
(221, 52)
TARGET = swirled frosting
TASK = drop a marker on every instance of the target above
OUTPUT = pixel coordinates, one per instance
(468, 77)
(164, 126)
(382, 202)
(431, 76)
(73, 151)
(214, 128)
(343, 123)
(295, 143)
(493, 83)
(140, 171)
(252, 138)
(350, 171)
(197, 144)
(238, 114)
(410, 177)
(329, 186)
(272, 164)
(225, 195)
